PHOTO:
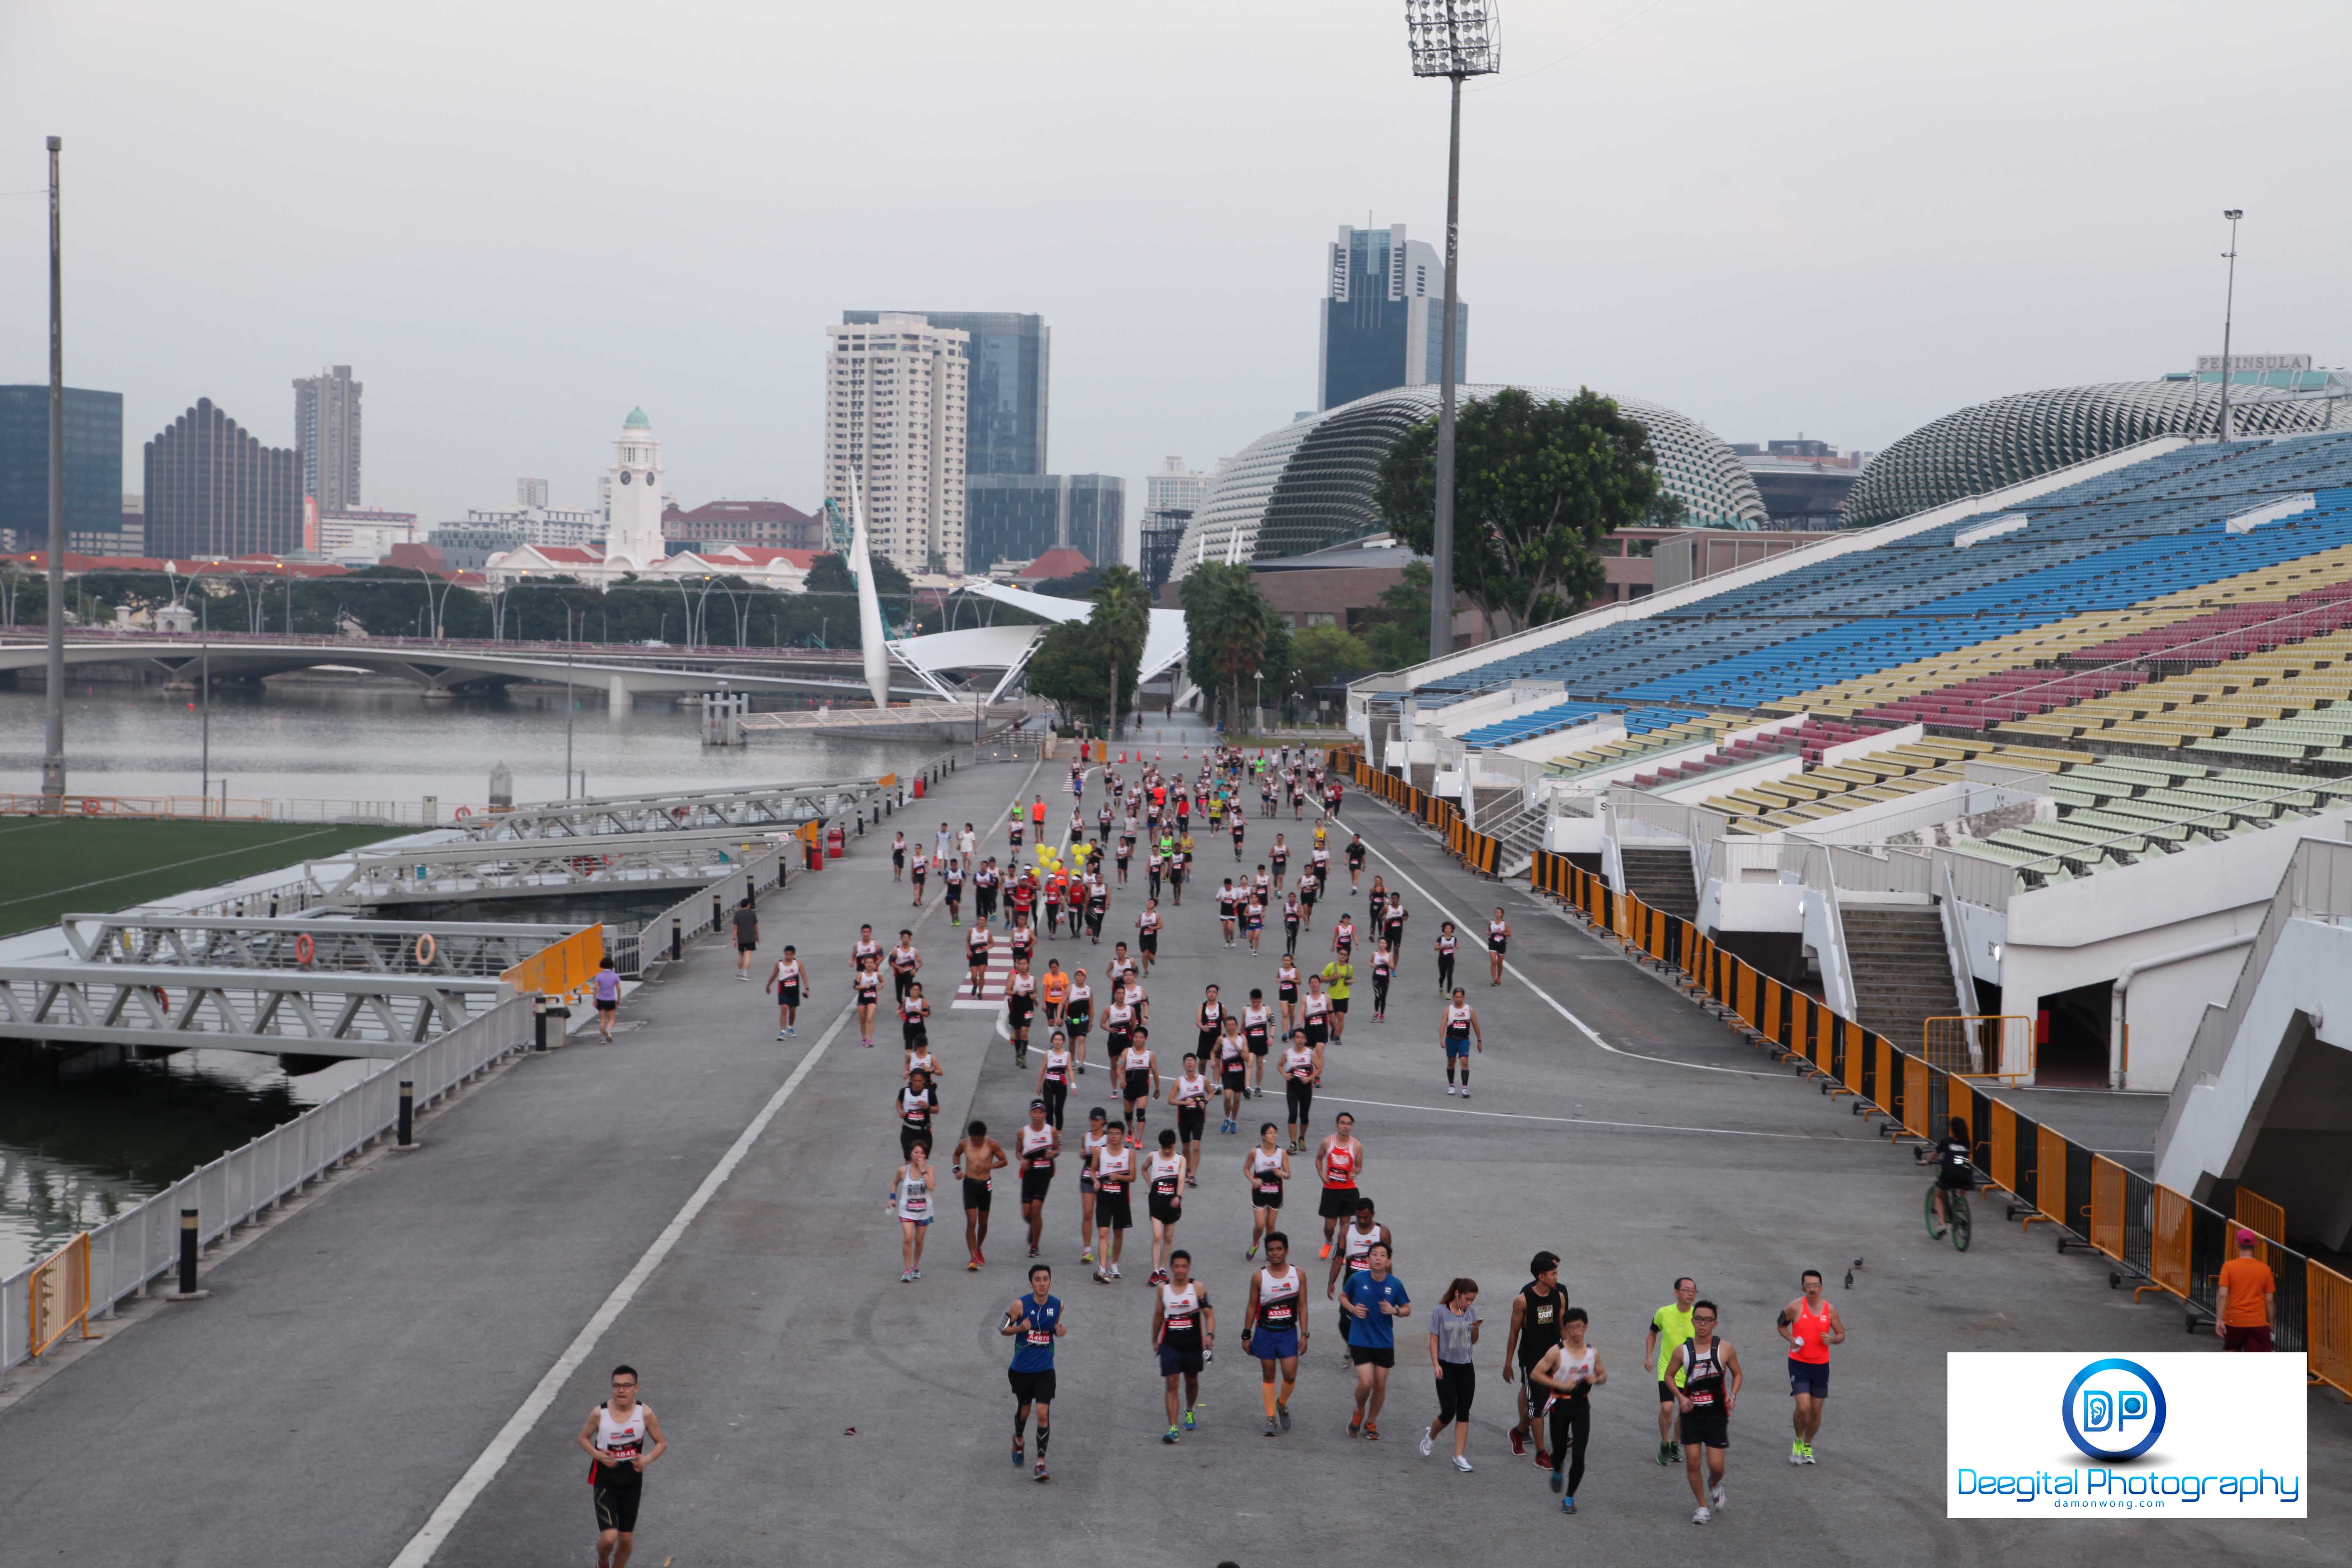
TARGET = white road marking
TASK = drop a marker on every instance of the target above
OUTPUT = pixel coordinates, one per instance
(1589, 1121)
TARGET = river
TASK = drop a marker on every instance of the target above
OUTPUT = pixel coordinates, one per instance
(72, 1153)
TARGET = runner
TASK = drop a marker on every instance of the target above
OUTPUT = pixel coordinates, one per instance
(1155, 867)
(1670, 1325)
(865, 950)
(1565, 1379)
(1036, 1321)
(952, 878)
(1138, 1080)
(977, 1158)
(1126, 848)
(910, 1204)
(1310, 888)
(1343, 935)
(1239, 825)
(1266, 1168)
(899, 853)
(1257, 1032)
(1022, 939)
(1315, 1013)
(788, 982)
(1391, 924)
(1057, 886)
(1019, 819)
(1021, 894)
(1039, 1143)
(1190, 1095)
(1376, 1300)
(915, 872)
(1037, 820)
(1180, 868)
(747, 937)
(1097, 904)
(1020, 1004)
(985, 884)
(977, 943)
(1078, 1013)
(616, 1434)
(1383, 968)
(1163, 1200)
(1280, 856)
(1445, 946)
(1302, 1065)
(1093, 1140)
(1537, 1313)
(1355, 862)
(606, 990)
(1285, 990)
(1146, 932)
(1054, 992)
(869, 998)
(1812, 1326)
(1498, 942)
(1209, 1021)
(1339, 1161)
(1114, 1173)
(1706, 1370)
(1363, 1228)
(914, 1025)
(1274, 1324)
(1184, 1330)
(1232, 1064)
(1228, 909)
(1338, 976)
(917, 1101)
(1454, 1325)
(1461, 1025)
(905, 963)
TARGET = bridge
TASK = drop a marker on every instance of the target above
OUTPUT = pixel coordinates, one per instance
(443, 667)
(546, 867)
(761, 809)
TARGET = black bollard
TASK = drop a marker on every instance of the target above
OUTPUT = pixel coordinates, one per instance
(539, 1021)
(718, 914)
(187, 1290)
(677, 937)
(408, 1134)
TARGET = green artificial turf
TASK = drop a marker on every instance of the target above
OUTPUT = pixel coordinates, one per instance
(51, 867)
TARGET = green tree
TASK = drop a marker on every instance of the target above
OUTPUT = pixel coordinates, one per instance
(1324, 656)
(1121, 620)
(1229, 627)
(830, 574)
(1396, 628)
(1070, 668)
(1537, 485)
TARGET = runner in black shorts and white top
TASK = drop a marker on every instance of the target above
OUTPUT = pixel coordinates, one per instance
(622, 1438)
(1232, 1067)
(1446, 945)
(1498, 943)
(1265, 1168)
(1138, 1080)
(1708, 1371)
(1209, 1021)
(1257, 1036)
(1146, 932)
(1038, 1145)
(1190, 1095)
(1113, 1173)
(905, 963)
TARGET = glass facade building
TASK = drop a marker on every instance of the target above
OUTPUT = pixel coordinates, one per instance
(214, 489)
(93, 439)
(1010, 358)
(1019, 517)
(1384, 316)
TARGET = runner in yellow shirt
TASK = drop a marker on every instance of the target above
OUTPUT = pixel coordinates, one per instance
(1670, 1328)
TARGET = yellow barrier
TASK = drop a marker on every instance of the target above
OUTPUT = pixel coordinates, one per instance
(2049, 1179)
(1914, 1098)
(60, 1295)
(2001, 1131)
(887, 781)
(1980, 1045)
(2168, 1244)
(2106, 1231)
(2265, 1219)
(2327, 1326)
(562, 968)
(1857, 1059)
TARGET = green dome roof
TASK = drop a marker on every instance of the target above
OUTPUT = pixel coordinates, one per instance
(636, 421)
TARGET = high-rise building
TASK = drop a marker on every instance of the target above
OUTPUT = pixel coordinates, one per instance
(93, 433)
(214, 489)
(1019, 517)
(895, 412)
(632, 531)
(1009, 358)
(1384, 316)
(1175, 487)
(326, 436)
(531, 493)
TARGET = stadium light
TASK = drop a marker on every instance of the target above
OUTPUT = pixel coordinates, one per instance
(2228, 304)
(1452, 39)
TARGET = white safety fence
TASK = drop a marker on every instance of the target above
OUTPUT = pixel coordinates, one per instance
(130, 1251)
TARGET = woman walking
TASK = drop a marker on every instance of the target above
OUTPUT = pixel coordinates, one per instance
(607, 990)
(1453, 1338)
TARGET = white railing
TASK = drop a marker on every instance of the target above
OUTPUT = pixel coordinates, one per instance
(1977, 880)
(696, 913)
(131, 1250)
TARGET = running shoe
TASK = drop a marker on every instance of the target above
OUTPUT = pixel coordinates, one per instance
(1355, 1426)
(1019, 1458)
(1701, 1517)
(1428, 1444)
(1557, 1481)
(1449, 1090)
(971, 1265)
(1372, 1432)
(919, 1271)
(1808, 1453)
(1281, 1414)
(1466, 1091)
(1170, 1437)
(1327, 1246)
(1252, 1253)
(1543, 1457)
(1270, 1428)
(1567, 1505)
(780, 1034)
(1033, 1252)
(1188, 1421)
(1462, 1465)
(1717, 1495)
(1674, 1452)
(1089, 1256)
(1040, 1472)
(1114, 1272)
(1796, 1453)
(793, 1029)
(981, 1259)
(1102, 1278)
(907, 1276)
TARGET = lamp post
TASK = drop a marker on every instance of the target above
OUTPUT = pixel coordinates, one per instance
(1452, 39)
(2229, 307)
(53, 700)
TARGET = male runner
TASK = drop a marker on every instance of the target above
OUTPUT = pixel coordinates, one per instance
(1020, 1003)
(1670, 1325)
(977, 943)
(1035, 1321)
(1114, 1173)
(1040, 1146)
(1095, 1138)
(1338, 976)
(1184, 1330)
(905, 963)
(1461, 1024)
(1274, 1329)
(1301, 1066)
(1376, 1300)
(615, 1434)
(1231, 1067)
(1190, 1095)
(920, 869)
(1706, 1370)
(788, 982)
(1447, 946)
(1355, 862)
(1138, 1079)
(1146, 932)
(1339, 1161)
(976, 1160)
(747, 937)
(1357, 1238)
(1257, 1034)
(1163, 1176)
(1279, 856)
(1537, 1313)
(1812, 1326)
(1565, 1379)
(1228, 909)
(899, 853)
(951, 877)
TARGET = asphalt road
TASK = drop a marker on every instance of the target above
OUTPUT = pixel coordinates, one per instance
(350, 1375)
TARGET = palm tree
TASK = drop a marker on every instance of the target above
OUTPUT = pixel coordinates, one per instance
(1122, 618)
(1227, 624)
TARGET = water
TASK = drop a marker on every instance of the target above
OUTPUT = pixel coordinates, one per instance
(75, 1152)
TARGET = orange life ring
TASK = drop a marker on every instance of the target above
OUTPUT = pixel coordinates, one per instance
(464, 812)
(426, 948)
(90, 805)
(303, 948)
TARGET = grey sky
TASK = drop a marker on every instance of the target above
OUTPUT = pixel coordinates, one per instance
(517, 220)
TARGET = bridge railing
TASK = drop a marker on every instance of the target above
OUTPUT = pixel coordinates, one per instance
(130, 1251)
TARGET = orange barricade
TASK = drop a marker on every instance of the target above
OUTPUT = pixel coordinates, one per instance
(2050, 1178)
(2003, 1130)
(60, 1294)
(2168, 1243)
(562, 968)
(1914, 1097)
(1857, 1061)
(2107, 1232)
(2327, 1326)
(1771, 1009)
(2265, 1219)
(1657, 935)
(1746, 1005)
(1882, 1060)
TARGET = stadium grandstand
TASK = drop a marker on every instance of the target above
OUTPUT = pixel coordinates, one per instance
(2065, 754)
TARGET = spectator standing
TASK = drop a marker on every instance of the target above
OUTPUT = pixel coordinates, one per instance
(2241, 1313)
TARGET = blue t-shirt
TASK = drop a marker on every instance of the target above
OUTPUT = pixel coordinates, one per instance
(1376, 1329)
(1033, 1347)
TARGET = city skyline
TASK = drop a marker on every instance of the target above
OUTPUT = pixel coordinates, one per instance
(1755, 257)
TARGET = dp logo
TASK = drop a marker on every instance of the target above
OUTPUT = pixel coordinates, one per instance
(2114, 1409)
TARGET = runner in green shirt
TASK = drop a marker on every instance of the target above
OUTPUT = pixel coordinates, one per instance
(1670, 1327)
(1336, 976)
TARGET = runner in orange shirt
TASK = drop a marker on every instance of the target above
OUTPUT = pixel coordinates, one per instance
(2241, 1313)
(1053, 990)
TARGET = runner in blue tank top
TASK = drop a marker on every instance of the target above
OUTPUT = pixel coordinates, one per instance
(1034, 1323)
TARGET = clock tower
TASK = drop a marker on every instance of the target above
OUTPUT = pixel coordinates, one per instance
(632, 536)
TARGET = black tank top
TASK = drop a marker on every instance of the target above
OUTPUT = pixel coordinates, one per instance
(1539, 1323)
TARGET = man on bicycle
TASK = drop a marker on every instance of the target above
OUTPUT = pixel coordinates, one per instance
(1956, 1168)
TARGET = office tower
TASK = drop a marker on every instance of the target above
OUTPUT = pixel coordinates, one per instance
(212, 489)
(1384, 318)
(1019, 517)
(895, 410)
(326, 436)
(1009, 358)
(93, 431)
(1175, 487)
(531, 493)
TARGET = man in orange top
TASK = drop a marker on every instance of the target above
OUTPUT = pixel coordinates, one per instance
(1037, 818)
(1053, 990)
(2241, 1313)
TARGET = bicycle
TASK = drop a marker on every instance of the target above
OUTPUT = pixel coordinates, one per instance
(1956, 1201)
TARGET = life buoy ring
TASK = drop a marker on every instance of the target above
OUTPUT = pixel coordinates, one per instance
(303, 948)
(90, 805)
(583, 865)
(426, 948)
(464, 812)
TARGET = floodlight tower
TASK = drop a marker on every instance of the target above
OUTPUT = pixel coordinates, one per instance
(2228, 308)
(1452, 39)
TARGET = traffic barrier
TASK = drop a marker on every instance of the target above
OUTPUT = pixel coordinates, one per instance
(562, 968)
(59, 1291)
(2327, 1303)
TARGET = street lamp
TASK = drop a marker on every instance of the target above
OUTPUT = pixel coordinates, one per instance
(1452, 39)
(2229, 305)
